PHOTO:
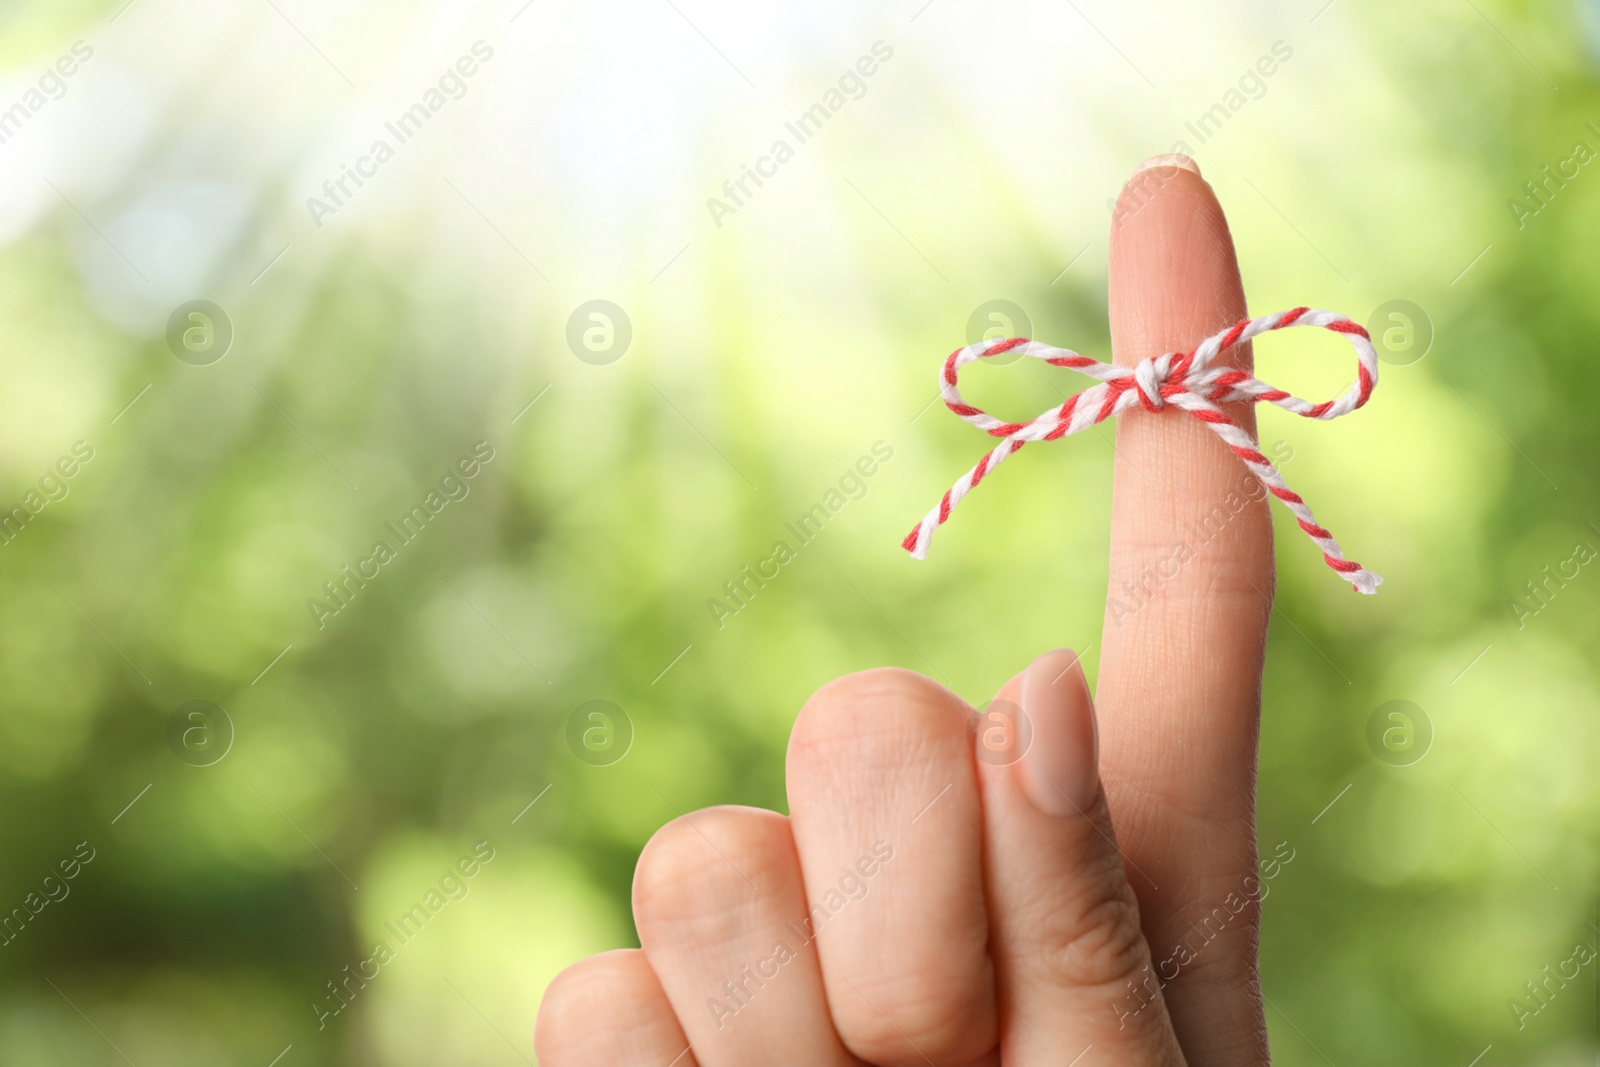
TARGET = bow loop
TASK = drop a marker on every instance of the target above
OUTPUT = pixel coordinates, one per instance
(1185, 380)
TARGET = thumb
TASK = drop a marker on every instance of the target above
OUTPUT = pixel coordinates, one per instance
(1072, 966)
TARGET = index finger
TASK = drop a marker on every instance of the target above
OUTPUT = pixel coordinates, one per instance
(1185, 626)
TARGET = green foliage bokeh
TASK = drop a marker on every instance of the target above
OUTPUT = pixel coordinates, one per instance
(373, 747)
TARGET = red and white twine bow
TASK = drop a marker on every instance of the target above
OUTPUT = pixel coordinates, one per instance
(1184, 380)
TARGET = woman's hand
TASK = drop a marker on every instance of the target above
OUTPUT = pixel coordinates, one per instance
(943, 894)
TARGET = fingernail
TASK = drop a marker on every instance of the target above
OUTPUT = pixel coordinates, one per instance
(1060, 772)
(1170, 159)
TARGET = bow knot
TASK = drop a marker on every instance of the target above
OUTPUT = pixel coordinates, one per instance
(1184, 380)
(1148, 376)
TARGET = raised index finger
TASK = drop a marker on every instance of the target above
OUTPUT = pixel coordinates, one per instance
(1185, 626)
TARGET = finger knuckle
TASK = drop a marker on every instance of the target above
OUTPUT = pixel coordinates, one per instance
(711, 862)
(1096, 939)
(584, 1012)
(888, 1020)
(887, 705)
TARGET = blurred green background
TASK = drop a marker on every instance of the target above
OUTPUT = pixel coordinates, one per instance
(242, 859)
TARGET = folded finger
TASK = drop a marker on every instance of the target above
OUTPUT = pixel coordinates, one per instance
(609, 1009)
(884, 799)
(721, 912)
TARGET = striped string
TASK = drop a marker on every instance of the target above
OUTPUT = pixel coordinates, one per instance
(1185, 380)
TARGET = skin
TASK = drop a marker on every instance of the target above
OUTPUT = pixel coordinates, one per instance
(1033, 898)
